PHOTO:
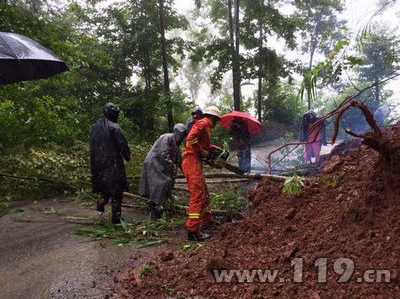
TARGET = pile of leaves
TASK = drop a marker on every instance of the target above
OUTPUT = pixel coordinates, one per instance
(146, 233)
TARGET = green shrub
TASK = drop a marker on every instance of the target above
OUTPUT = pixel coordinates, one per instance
(68, 167)
(293, 185)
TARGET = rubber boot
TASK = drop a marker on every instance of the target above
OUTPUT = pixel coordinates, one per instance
(155, 212)
(116, 201)
(102, 201)
(197, 236)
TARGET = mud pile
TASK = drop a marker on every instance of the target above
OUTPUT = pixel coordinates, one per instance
(350, 211)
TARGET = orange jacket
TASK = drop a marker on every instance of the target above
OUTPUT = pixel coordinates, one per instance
(199, 137)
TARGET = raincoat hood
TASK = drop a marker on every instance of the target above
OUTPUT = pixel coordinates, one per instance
(179, 132)
(309, 113)
(197, 111)
(111, 112)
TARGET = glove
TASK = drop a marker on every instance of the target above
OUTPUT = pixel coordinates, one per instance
(204, 154)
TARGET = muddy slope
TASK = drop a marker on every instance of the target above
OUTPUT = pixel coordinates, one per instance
(350, 211)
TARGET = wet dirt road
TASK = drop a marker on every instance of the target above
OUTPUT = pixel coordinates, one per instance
(41, 257)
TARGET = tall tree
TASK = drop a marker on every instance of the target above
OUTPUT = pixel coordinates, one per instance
(234, 42)
(134, 30)
(322, 29)
(165, 66)
(223, 47)
(377, 48)
(261, 21)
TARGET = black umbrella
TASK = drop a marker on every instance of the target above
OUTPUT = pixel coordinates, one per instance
(24, 59)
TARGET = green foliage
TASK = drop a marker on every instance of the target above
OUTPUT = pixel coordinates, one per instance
(50, 210)
(293, 185)
(324, 33)
(102, 50)
(281, 104)
(327, 71)
(331, 181)
(321, 28)
(146, 270)
(38, 121)
(233, 201)
(377, 48)
(67, 168)
(260, 21)
(146, 233)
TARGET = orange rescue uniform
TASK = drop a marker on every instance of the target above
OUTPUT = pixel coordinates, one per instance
(197, 140)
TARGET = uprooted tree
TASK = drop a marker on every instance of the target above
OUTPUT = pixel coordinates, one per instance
(384, 142)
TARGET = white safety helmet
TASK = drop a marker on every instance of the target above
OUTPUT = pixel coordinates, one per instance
(212, 110)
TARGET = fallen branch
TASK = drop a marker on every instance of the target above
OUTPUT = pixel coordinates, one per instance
(218, 181)
(252, 176)
(368, 116)
(135, 196)
(183, 209)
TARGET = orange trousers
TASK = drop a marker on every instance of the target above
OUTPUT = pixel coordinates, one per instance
(199, 212)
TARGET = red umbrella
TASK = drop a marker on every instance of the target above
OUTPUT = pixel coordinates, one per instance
(253, 124)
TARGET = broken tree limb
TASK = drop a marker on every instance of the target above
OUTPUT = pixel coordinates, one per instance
(385, 145)
(368, 116)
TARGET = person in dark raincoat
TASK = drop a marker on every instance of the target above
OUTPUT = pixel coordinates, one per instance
(108, 148)
(197, 114)
(241, 142)
(159, 169)
(314, 134)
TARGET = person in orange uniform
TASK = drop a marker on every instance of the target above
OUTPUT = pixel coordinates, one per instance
(197, 147)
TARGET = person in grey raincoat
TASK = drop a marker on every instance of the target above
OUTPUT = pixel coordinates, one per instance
(108, 148)
(159, 168)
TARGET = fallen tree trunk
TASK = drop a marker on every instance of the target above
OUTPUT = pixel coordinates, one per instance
(251, 176)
